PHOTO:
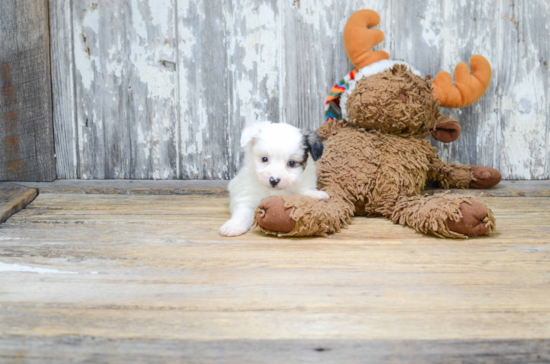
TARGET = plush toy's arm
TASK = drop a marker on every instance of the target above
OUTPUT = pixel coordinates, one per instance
(453, 175)
(298, 215)
(449, 175)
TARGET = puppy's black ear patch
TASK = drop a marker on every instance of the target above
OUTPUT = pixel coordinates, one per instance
(313, 143)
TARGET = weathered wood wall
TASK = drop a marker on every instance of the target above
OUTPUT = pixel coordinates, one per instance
(26, 130)
(160, 89)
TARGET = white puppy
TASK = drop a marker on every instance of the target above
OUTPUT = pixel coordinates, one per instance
(275, 163)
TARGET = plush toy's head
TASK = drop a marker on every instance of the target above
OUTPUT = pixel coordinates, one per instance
(392, 97)
(394, 101)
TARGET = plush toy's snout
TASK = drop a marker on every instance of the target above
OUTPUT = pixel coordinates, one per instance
(446, 130)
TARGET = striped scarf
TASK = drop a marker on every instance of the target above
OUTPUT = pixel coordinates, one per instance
(332, 105)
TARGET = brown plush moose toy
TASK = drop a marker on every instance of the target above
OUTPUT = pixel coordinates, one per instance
(376, 161)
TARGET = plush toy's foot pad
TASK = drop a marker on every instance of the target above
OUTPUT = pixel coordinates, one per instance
(474, 221)
(272, 215)
(485, 177)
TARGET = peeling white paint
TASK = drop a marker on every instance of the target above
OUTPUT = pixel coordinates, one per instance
(146, 61)
(431, 24)
(525, 153)
(316, 14)
(260, 44)
(122, 78)
(84, 60)
(138, 21)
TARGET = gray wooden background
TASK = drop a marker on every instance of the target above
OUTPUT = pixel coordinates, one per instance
(26, 130)
(160, 89)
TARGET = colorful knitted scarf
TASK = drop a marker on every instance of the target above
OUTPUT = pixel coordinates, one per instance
(332, 105)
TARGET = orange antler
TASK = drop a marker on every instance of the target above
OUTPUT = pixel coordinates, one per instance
(467, 88)
(359, 39)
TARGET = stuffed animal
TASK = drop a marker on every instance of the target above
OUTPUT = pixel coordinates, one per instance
(376, 161)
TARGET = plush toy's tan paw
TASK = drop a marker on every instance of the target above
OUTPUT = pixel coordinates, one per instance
(474, 219)
(272, 215)
(485, 177)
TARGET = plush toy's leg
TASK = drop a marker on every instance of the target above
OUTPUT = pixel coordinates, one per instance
(452, 175)
(444, 215)
(299, 215)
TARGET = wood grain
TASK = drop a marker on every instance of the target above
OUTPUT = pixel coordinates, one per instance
(64, 89)
(466, 29)
(167, 88)
(117, 278)
(205, 89)
(219, 187)
(126, 88)
(524, 90)
(125, 278)
(75, 348)
(13, 198)
(26, 134)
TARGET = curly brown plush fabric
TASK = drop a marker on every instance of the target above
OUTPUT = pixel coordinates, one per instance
(377, 164)
(395, 102)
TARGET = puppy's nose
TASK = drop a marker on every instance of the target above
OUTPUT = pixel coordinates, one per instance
(274, 181)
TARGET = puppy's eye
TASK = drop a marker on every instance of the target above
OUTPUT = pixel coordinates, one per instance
(291, 163)
(264, 159)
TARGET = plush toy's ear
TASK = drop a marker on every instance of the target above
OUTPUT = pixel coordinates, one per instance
(252, 131)
(313, 143)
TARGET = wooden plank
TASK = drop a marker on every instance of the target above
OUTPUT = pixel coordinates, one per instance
(13, 198)
(177, 211)
(84, 348)
(123, 276)
(255, 48)
(63, 89)
(365, 292)
(182, 228)
(524, 89)
(134, 187)
(504, 189)
(203, 88)
(204, 326)
(126, 83)
(219, 187)
(26, 135)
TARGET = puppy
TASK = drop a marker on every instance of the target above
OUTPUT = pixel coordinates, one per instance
(275, 163)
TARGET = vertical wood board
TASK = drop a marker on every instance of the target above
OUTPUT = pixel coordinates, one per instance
(125, 58)
(63, 89)
(524, 89)
(26, 133)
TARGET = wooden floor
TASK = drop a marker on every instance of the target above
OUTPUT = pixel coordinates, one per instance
(114, 278)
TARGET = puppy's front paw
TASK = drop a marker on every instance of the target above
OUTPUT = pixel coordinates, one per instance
(234, 228)
(318, 195)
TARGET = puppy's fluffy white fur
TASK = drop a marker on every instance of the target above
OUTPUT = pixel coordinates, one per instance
(279, 160)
